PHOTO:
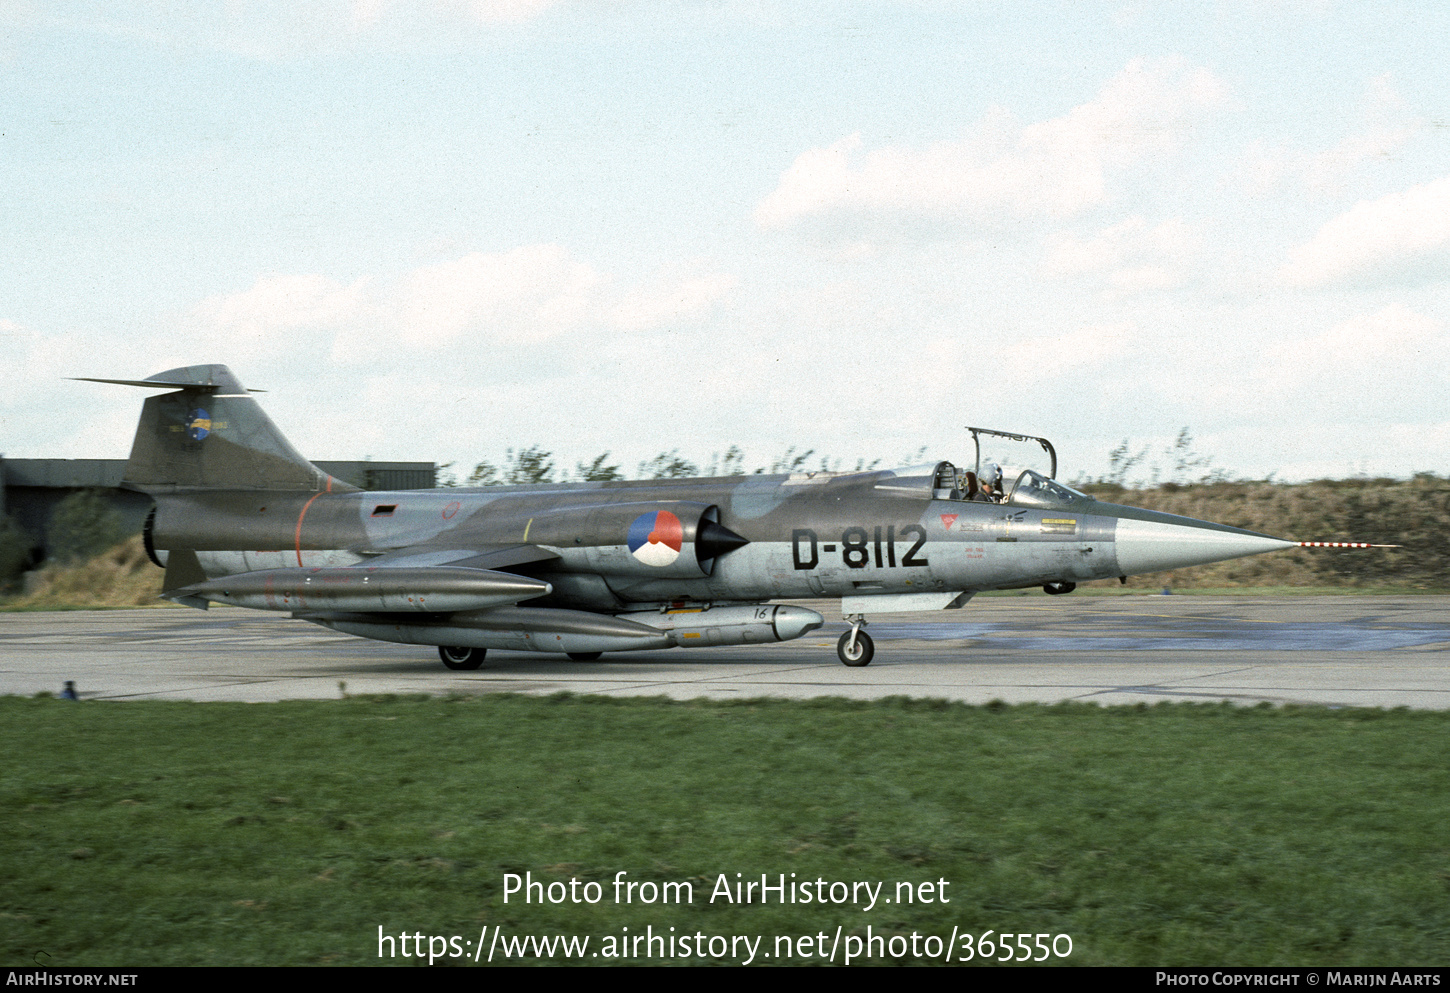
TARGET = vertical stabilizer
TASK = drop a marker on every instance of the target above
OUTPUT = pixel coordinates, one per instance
(212, 433)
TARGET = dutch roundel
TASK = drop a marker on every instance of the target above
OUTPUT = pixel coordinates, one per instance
(656, 538)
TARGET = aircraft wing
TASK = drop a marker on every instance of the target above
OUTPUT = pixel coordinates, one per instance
(417, 578)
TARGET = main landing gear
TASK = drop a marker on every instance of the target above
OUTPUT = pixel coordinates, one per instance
(465, 659)
(856, 647)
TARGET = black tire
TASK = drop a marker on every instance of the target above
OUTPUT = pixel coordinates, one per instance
(865, 649)
(1058, 589)
(465, 659)
(584, 656)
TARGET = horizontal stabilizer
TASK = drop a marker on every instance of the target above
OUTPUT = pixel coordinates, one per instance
(157, 384)
(202, 378)
(153, 383)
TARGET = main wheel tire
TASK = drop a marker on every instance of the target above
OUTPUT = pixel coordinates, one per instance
(865, 649)
(584, 656)
(1058, 589)
(465, 659)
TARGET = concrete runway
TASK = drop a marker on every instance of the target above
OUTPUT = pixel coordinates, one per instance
(1363, 651)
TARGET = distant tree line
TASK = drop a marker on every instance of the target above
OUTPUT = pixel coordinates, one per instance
(535, 464)
(1178, 464)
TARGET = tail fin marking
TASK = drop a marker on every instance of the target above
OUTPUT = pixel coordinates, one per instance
(210, 432)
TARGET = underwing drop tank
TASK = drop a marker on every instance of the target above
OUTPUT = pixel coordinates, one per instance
(545, 629)
(693, 627)
(436, 589)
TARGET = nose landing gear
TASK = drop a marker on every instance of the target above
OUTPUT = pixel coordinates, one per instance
(856, 647)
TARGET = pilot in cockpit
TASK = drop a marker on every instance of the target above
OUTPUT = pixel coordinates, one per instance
(990, 484)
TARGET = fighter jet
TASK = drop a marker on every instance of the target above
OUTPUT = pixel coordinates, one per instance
(580, 569)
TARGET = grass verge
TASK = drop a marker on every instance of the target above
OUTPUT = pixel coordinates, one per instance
(164, 833)
(120, 577)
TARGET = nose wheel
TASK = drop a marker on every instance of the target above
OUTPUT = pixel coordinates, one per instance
(856, 647)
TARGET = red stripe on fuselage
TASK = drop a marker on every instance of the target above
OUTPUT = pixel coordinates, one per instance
(299, 525)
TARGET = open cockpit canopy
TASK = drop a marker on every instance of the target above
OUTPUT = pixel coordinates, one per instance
(1005, 448)
(998, 476)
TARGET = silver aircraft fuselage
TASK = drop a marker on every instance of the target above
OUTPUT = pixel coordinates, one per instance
(241, 518)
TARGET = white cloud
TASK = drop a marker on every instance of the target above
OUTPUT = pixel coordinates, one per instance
(530, 295)
(1041, 360)
(687, 300)
(25, 362)
(285, 304)
(1395, 236)
(369, 12)
(1389, 353)
(44, 414)
(272, 30)
(1384, 127)
(1130, 257)
(527, 294)
(1053, 168)
(487, 11)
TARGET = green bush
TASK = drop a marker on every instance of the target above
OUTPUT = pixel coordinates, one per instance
(16, 551)
(1411, 514)
(84, 525)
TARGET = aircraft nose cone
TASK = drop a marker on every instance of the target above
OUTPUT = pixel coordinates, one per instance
(1177, 543)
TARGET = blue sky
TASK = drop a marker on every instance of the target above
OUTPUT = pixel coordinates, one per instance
(440, 230)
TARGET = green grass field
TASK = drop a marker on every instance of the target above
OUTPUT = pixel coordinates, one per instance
(167, 833)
